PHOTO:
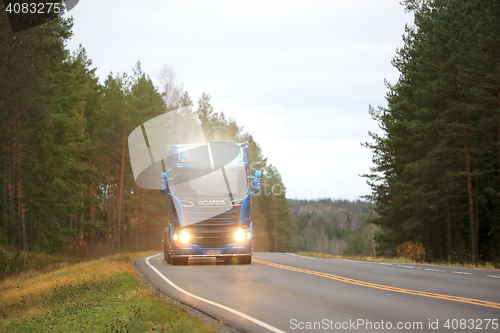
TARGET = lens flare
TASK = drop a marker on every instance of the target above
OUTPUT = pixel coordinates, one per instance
(185, 237)
(239, 235)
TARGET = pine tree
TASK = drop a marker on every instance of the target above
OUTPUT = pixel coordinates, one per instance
(440, 126)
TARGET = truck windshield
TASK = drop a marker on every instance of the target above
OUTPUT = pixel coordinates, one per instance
(189, 183)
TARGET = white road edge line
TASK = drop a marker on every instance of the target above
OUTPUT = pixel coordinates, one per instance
(407, 266)
(361, 262)
(298, 255)
(462, 273)
(493, 276)
(433, 270)
(256, 321)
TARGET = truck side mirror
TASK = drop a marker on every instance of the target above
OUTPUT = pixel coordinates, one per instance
(256, 184)
(164, 184)
(258, 173)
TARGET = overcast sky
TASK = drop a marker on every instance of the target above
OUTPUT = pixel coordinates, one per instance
(298, 75)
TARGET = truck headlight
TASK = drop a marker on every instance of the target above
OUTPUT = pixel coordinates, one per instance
(185, 237)
(249, 235)
(240, 236)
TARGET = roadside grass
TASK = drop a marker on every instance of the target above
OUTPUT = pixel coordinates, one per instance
(102, 295)
(23, 265)
(400, 260)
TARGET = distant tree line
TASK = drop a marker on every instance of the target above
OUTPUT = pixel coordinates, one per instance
(332, 227)
(66, 183)
(436, 180)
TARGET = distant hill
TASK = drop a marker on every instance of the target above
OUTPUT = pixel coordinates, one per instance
(332, 226)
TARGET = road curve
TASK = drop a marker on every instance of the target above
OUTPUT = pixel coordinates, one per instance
(282, 292)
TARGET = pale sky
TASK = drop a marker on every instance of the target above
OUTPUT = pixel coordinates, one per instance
(298, 75)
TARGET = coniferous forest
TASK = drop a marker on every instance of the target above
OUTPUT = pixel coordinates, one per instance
(66, 184)
(436, 180)
(334, 227)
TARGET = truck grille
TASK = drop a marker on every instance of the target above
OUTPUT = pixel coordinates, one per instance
(210, 231)
(204, 216)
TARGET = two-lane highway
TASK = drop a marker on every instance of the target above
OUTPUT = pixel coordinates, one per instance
(289, 292)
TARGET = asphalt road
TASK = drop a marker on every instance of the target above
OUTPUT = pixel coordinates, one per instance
(291, 293)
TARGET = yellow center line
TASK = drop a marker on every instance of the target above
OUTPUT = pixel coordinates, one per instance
(382, 287)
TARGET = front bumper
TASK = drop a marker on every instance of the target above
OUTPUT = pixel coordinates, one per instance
(193, 250)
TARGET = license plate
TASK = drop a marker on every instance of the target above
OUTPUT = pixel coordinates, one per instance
(212, 251)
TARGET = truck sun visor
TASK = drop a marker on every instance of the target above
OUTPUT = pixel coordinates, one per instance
(149, 147)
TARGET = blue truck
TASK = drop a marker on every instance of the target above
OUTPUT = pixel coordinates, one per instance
(209, 201)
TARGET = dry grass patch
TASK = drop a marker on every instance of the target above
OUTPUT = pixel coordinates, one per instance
(23, 265)
(102, 295)
(400, 260)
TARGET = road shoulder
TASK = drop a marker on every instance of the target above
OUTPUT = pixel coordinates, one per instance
(218, 326)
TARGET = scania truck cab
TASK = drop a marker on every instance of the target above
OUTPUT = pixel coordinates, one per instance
(209, 199)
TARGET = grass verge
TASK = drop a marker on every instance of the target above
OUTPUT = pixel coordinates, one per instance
(399, 260)
(102, 295)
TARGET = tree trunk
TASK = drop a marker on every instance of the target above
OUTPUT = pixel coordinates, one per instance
(438, 253)
(472, 221)
(115, 225)
(92, 208)
(470, 194)
(458, 243)
(449, 243)
(11, 204)
(21, 216)
(498, 101)
(449, 246)
(428, 254)
(126, 223)
(120, 194)
(92, 203)
(36, 230)
(81, 225)
(110, 204)
(108, 193)
(92, 191)
(476, 220)
(32, 230)
(5, 204)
